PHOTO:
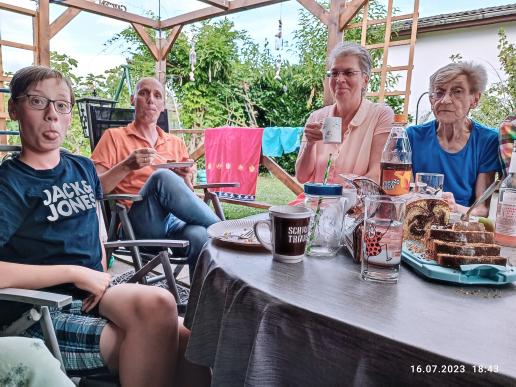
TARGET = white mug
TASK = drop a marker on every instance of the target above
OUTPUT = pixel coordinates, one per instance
(332, 130)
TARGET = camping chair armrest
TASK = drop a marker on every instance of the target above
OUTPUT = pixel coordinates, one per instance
(210, 197)
(216, 185)
(147, 243)
(132, 198)
(35, 297)
(160, 259)
(10, 148)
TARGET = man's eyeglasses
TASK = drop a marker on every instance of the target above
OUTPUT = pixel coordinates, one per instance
(38, 102)
(454, 94)
(348, 74)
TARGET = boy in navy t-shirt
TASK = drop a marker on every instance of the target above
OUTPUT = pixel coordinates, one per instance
(50, 239)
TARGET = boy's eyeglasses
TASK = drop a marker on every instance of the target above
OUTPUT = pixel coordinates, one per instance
(38, 102)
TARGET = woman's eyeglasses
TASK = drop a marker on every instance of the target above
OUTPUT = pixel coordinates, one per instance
(454, 94)
(38, 102)
(348, 74)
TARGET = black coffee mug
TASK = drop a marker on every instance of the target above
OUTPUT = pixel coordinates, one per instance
(288, 230)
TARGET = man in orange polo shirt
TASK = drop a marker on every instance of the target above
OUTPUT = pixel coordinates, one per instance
(124, 158)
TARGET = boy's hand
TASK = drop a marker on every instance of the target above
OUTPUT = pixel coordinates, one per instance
(94, 282)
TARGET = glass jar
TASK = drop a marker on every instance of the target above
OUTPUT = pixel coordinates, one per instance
(328, 208)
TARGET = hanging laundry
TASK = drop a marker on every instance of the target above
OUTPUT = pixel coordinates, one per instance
(233, 155)
(291, 139)
(279, 140)
(271, 142)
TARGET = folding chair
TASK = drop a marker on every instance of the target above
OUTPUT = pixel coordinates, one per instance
(116, 214)
(41, 302)
(105, 117)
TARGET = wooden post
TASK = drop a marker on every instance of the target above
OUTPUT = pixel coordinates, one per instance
(161, 63)
(385, 59)
(413, 35)
(334, 37)
(43, 41)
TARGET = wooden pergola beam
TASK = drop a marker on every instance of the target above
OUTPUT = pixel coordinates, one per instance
(43, 33)
(171, 39)
(22, 46)
(209, 12)
(350, 11)
(62, 20)
(16, 9)
(140, 30)
(110, 12)
(217, 3)
(315, 9)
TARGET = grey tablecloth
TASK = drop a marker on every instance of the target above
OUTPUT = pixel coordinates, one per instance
(263, 323)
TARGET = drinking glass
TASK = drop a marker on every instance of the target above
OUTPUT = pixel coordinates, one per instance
(382, 238)
(430, 183)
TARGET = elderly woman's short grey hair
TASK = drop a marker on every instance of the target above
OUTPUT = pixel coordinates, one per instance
(352, 49)
(476, 74)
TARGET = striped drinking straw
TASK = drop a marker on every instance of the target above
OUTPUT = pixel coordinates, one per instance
(317, 215)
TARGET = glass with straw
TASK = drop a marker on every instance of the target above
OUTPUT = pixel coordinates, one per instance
(328, 207)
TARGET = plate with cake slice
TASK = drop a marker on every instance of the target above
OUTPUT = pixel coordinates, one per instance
(467, 270)
(459, 252)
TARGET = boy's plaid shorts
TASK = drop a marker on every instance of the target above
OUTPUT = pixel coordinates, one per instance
(78, 335)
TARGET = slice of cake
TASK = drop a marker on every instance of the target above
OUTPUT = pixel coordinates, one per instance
(446, 234)
(436, 247)
(454, 261)
(468, 226)
(421, 214)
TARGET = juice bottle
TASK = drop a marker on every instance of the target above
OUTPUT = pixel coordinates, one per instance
(505, 228)
(396, 163)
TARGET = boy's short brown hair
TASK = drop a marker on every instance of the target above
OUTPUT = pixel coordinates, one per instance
(30, 75)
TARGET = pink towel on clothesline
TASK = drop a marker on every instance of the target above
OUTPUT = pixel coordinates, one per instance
(233, 155)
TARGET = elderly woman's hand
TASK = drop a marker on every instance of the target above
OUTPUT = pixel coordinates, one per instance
(313, 131)
(450, 199)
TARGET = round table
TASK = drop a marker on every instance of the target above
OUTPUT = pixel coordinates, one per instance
(258, 322)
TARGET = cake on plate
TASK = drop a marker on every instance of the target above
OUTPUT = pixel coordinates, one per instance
(421, 214)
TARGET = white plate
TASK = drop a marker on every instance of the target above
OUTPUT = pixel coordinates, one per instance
(175, 164)
(229, 231)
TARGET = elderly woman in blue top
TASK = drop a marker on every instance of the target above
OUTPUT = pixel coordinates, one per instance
(465, 151)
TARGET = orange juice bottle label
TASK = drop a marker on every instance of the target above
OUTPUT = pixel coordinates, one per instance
(396, 182)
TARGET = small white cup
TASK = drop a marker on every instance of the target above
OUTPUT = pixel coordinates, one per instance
(332, 130)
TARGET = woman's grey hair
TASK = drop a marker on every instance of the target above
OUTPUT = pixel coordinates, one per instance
(352, 49)
(476, 74)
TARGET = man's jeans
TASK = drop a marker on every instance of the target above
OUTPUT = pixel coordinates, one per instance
(170, 210)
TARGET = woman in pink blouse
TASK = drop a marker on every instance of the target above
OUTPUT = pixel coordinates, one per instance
(365, 125)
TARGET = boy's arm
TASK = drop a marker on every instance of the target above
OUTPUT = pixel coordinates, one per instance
(17, 275)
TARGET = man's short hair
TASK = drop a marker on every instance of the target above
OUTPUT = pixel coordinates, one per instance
(28, 76)
(137, 86)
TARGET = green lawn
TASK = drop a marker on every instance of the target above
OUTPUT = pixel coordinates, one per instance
(269, 190)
